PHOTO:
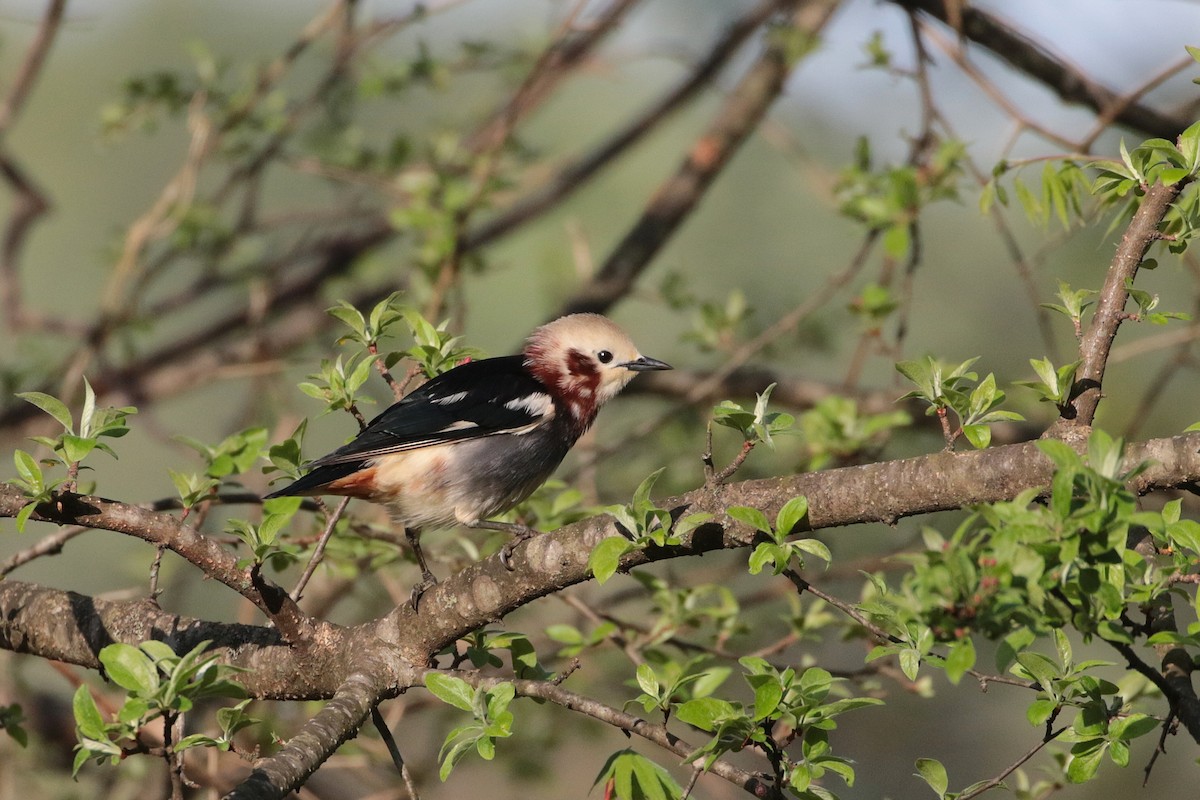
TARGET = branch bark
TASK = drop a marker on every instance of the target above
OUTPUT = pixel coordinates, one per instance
(1110, 307)
(1036, 61)
(70, 627)
(678, 196)
(336, 723)
(166, 531)
(882, 492)
(575, 175)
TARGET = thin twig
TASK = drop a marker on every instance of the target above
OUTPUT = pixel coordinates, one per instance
(319, 550)
(385, 733)
(841, 605)
(996, 781)
(31, 66)
(959, 57)
(154, 567)
(50, 545)
(736, 464)
(757, 784)
(1109, 113)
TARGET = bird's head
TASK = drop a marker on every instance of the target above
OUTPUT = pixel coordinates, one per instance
(586, 359)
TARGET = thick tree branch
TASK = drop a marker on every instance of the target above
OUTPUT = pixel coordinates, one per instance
(1110, 306)
(882, 492)
(575, 175)
(1039, 63)
(296, 314)
(386, 656)
(72, 628)
(166, 531)
(486, 591)
(31, 202)
(679, 195)
(337, 722)
(31, 66)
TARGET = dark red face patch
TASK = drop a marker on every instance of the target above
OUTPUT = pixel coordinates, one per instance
(582, 370)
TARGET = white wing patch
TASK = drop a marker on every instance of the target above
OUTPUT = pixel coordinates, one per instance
(450, 399)
(537, 404)
(459, 425)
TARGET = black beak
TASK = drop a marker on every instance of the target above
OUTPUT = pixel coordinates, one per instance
(645, 363)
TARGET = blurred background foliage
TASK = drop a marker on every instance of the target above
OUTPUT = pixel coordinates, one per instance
(107, 128)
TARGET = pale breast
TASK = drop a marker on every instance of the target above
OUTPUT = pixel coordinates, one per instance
(464, 482)
(418, 485)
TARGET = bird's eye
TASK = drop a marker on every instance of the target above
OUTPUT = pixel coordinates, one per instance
(604, 356)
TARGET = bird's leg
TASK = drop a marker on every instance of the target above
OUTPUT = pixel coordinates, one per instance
(428, 579)
(519, 533)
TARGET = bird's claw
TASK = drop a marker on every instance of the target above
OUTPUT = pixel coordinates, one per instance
(507, 551)
(427, 583)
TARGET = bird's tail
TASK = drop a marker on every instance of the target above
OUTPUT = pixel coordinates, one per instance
(311, 483)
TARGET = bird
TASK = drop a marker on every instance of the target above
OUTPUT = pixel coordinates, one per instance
(478, 439)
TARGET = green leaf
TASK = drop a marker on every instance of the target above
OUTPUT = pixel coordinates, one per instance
(1189, 147)
(647, 680)
(932, 772)
(641, 495)
(566, 634)
(89, 410)
(703, 712)
(1039, 667)
(1133, 726)
(1085, 760)
(28, 469)
(710, 680)
(76, 448)
(458, 742)
(750, 516)
(815, 547)
(635, 777)
(768, 553)
(1060, 453)
(51, 405)
(1063, 645)
(789, 516)
(980, 436)
(129, 668)
(767, 696)
(499, 698)
(1039, 711)
(606, 556)
(450, 690)
(81, 757)
(22, 517)
(87, 715)
(486, 747)
(689, 522)
(195, 740)
(910, 663)
(960, 659)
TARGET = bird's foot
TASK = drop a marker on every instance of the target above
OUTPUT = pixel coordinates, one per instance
(519, 536)
(428, 581)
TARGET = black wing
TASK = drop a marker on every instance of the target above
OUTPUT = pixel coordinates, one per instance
(479, 398)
